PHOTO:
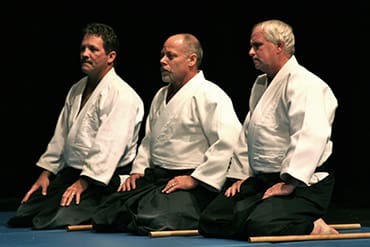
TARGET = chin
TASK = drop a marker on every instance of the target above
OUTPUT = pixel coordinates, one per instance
(166, 79)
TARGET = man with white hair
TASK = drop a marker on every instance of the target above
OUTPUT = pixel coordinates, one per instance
(278, 181)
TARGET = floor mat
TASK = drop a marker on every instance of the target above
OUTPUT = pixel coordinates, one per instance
(58, 238)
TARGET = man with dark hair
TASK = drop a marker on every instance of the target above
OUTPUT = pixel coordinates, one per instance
(95, 140)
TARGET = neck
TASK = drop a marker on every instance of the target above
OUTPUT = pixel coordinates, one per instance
(94, 79)
(172, 90)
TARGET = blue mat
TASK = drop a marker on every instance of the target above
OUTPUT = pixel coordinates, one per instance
(58, 238)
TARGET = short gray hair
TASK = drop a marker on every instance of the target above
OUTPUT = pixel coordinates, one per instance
(192, 44)
(278, 31)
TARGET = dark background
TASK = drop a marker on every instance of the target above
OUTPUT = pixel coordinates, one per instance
(40, 61)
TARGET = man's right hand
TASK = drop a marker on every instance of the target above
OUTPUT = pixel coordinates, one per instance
(130, 183)
(42, 182)
(234, 188)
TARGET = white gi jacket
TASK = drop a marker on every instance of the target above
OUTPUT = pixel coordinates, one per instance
(197, 129)
(102, 136)
(288, 127)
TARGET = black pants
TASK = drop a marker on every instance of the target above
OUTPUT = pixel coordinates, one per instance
(148, 209)
(246, 214)
(44, 212)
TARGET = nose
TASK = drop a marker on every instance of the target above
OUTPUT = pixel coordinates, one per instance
(162, 61)
(84, 51)
(251, 52)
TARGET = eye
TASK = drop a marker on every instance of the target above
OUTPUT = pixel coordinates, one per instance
(256, 45)
(93, 48)
(169, 55)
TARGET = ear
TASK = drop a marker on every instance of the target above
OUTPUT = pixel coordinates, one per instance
(112, 56)
(280, 46)
(193, 58)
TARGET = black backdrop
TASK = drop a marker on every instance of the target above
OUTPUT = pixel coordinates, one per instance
(40, 61)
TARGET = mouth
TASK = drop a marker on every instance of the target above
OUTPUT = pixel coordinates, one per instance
(256, 61)
(163, 71)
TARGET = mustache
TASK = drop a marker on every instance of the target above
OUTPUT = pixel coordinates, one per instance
(85, 60)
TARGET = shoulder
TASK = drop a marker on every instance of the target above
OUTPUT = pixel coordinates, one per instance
(78, 87)
(211, 91)
(301, 77)
(117, 89)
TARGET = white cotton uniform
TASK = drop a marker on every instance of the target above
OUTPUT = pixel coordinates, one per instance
(197, 129)
(102, 136)
(288, 127)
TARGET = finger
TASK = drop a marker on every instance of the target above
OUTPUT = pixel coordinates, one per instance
(227, 193)
(66, 198)
(30, 192)
(70, 198)
(169, 188)
(266, 195)
(120, 188)
(44, 191)
(78, 198)
(127, 185)
(238, 188)
(124, 187)
(133, 183)
(63, 201)
(26, 197)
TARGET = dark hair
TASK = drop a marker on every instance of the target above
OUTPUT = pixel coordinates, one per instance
(106, 32)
